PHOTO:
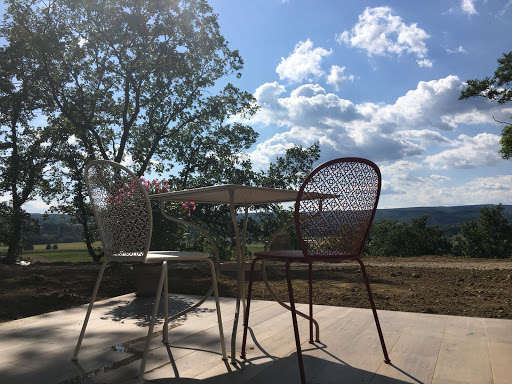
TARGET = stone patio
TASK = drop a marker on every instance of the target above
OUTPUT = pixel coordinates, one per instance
(423, 348)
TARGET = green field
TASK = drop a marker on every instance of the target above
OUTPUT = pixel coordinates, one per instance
(256, 247)
(67, 252)
(77, 252)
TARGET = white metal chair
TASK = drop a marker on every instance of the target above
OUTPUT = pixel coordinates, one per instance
(122, 211)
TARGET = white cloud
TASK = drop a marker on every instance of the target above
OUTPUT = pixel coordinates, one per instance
(471, 152)
(380, 32)
(337, 77)
(424, 63)
(468, 7)
(390, 189)
(426, 192)
(72, 140)
(415, 126)
(303, 63)
(425, 137)
(502, 12)
(460, 49)
(440, 178)
(399, 167)
(36, 206)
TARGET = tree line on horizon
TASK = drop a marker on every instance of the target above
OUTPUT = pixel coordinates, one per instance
(487, 236)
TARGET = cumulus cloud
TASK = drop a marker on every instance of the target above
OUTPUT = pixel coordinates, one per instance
(411, 127)
(399, 167)
(390, 189)
(36, 206)
(471, 152)
(303, 64)
(337, 77)
(435, 104)
(380, 32)
(425, 137)
(426, 192)
(468, 7)
(440, 178)
(424, 63)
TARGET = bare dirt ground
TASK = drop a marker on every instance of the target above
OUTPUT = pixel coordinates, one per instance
(429, 284)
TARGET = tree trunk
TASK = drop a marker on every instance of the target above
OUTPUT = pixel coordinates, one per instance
(15, 239)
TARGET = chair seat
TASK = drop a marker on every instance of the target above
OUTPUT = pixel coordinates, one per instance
(159, 256)
(298, 255)
(295, 255)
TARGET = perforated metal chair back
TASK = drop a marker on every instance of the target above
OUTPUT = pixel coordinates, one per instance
(122, 210)
(335, 207)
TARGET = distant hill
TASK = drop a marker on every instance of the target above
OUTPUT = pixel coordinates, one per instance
(447, 217)
(58, 228)
(55, 229)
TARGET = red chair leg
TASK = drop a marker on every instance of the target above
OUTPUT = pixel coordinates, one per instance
(372, 303)
(247, 306)
(295, 326)
(311, 302)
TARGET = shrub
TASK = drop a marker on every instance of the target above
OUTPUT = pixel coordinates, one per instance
(48, 246)
(488, 237)
(391, 238)
(55, 246)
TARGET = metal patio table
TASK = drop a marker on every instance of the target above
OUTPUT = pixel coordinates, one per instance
(233, 195)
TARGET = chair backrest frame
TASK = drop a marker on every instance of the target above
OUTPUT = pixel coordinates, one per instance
(145, 205)
(301, 220)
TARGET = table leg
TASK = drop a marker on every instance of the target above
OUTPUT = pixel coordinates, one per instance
(239, 282)
(215, 250)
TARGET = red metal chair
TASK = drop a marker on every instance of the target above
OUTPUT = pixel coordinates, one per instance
(334, 210)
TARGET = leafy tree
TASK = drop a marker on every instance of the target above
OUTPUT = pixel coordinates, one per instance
(497, 88)
(26, 146)
(291, 170)
(288, 171)
(135, 81)
(488, 237)
(391, 238)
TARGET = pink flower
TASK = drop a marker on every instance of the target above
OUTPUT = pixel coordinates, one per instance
(188, 206)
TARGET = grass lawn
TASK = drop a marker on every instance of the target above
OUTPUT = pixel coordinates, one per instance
(256, 247)
(77, 252)
(66, 252)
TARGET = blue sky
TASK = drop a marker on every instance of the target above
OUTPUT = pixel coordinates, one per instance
(380, 80)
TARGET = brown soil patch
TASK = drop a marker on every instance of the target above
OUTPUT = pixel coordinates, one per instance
(442, 285)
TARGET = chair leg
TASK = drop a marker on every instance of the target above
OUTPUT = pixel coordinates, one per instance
(217, 305)
(295, 326)
(86, 320)
(374, 310)
(247, 307)
(165, 333)
(152, 323)
(311, 302)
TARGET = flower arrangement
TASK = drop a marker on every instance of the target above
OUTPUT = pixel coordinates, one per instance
(153, 187)
(188, 206)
